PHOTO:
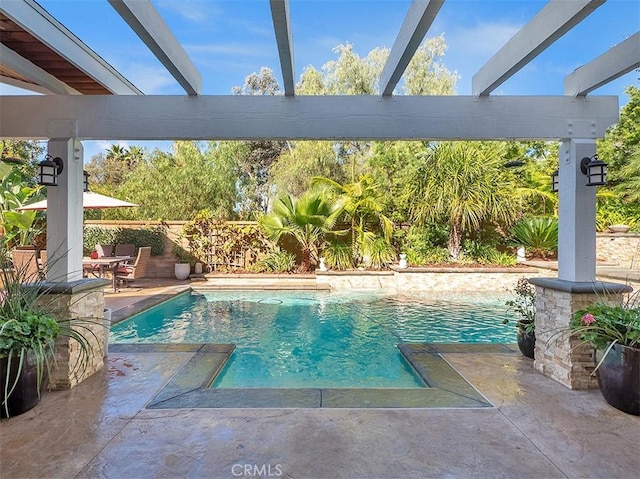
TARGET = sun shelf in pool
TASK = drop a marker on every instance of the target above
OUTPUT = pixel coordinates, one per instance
(317, 339)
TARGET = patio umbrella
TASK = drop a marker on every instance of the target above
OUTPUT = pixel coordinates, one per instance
(90, 201)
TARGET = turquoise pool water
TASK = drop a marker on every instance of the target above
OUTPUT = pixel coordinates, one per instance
(316, 339)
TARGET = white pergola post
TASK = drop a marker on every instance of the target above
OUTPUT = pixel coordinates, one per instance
(64, 213)
(577, 214)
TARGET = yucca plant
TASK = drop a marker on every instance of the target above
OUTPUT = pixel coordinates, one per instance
(277, 261)
(338, 255)
(539, 235)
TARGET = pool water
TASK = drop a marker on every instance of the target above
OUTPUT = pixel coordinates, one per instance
(317, 339)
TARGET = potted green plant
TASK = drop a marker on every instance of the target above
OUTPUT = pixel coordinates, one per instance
(614, 331)
(182, 267)
(28, 330)
(524, 304)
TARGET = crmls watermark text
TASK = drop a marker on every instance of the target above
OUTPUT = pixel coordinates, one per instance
(256, 470)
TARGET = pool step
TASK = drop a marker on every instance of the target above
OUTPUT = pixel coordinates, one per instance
(261, 282)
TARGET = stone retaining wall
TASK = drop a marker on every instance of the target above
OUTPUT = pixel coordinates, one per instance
(410, 280)
(620, 249)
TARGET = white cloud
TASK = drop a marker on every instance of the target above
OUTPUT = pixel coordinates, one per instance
(198, 11)
(243, 49)
(484, 39)
(150, 80)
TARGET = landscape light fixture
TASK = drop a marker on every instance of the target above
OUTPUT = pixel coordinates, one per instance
(50, 168)
(85, 181)
(595, 170)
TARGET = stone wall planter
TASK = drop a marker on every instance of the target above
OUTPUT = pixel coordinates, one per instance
(619, 378)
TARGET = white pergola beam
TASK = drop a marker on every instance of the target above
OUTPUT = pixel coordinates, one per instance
(414, 28)
(554, 20)
(27, 69)
(39, 23)
(282, 26)
(612, 64)
(147, 23)
(244, 117)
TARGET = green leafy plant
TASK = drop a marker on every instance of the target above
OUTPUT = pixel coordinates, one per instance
(604, 325)
(277, 262)
(182, 255)
(338, 255)
(29, 328)
(524, 304)
(539, 235)
(149, 236)
(379, 253)
(218, 243)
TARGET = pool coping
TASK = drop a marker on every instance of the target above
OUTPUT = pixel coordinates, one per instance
(190, 386)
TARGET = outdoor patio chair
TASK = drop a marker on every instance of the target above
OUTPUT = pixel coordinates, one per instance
(126, 274)
(42, 262)
(104, 250)
(124, 250)
(25, 263)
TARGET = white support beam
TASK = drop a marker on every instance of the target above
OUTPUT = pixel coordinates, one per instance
(614, 63)
(27, 69)
(282, 26)
(244, 117)
(415, 26)
(553, 21)
(576, 214)
(64, 213)
(39, 23)
(145, 20)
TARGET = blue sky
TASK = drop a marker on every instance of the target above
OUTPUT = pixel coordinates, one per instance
(228, 40)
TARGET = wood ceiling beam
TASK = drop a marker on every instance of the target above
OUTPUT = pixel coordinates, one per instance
(365, 117)
(37, 22)
(34, 73)
(147, 23)
(614, 63)
(414, 28)
(282, 25)
(552, 22)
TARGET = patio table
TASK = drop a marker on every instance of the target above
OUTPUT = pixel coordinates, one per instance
(110, 263)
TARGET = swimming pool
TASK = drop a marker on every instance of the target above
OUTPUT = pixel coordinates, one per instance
(300, 339)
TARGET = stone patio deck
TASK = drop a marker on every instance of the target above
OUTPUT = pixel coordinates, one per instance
(102, 428)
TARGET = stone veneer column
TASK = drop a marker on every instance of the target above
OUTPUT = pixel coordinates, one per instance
(81, 300)
(558, 354)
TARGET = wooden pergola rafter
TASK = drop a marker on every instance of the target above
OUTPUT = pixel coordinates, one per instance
(86, 98)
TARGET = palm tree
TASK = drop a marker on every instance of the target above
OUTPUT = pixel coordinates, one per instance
(464, 183)
(306, 219)
(363, 205)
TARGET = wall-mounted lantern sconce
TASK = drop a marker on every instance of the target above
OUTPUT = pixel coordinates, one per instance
(85, 181)
(50, 168)
(595, 170)
(555, 181)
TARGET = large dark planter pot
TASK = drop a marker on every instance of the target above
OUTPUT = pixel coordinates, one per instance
(25, 395)
(619, 378)
(526, 342)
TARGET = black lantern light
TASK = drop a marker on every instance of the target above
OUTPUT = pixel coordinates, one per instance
(595, 170)
(85, 181)
(50, 168)
(555, 181)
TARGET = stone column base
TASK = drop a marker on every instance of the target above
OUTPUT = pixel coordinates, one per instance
(558, 354)
(82, 302)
